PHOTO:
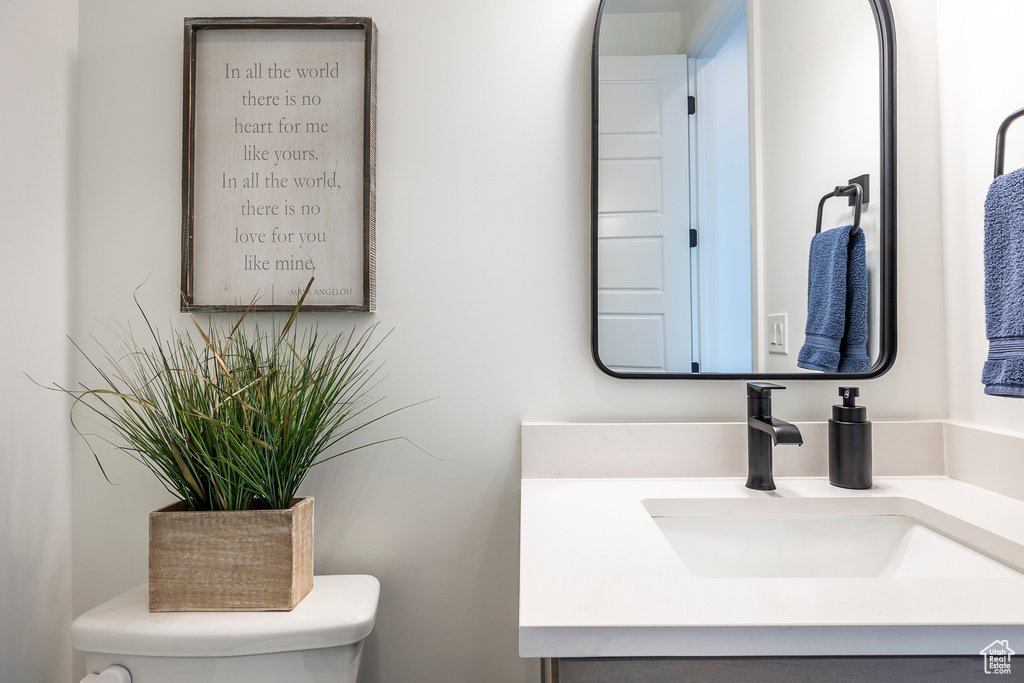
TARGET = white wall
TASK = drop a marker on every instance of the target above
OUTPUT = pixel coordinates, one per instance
(483, 247)
(723, 197)
(650, 33)
(37, 49)
(980, 85)
(817, 119)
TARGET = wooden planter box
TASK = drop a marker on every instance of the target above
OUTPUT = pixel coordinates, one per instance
(251, 560)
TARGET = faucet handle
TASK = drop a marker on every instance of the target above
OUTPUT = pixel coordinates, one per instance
(761, 389)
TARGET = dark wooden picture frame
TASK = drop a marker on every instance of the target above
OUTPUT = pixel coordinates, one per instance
(278, 116)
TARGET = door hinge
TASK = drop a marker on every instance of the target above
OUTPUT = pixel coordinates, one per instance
(693, 238)
(695, 367)
(691, 105)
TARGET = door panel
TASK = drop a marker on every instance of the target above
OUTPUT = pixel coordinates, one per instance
(643, 211)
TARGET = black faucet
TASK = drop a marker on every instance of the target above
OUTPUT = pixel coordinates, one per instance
(764, 431)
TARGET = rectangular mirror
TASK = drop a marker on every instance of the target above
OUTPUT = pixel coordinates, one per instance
(731, 140)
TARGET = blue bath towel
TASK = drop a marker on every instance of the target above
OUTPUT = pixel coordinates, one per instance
(1003, 374)
(836, 334)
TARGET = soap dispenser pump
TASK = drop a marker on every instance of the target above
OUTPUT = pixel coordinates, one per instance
(849, 443)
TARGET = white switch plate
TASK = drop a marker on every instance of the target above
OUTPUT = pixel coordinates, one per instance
(778, 333)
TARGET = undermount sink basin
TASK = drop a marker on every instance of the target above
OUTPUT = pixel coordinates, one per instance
(767, 538)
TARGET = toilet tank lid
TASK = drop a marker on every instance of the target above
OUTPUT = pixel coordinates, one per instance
(339, 610)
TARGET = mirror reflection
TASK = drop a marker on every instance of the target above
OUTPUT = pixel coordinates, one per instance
(722, 125)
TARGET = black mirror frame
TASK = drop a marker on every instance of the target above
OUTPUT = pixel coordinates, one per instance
(887, 228)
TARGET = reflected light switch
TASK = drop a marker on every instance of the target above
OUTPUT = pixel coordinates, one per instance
(778, 334)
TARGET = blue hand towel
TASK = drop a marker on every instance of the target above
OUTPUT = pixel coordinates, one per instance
(1003, 373)
(836, 333)
(853, 354)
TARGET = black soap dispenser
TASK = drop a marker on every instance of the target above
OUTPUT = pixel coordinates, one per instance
(849, 443)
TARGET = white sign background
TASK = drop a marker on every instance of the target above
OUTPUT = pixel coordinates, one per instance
(278, 185)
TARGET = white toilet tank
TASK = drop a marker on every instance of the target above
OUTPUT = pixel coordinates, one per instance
(320, 641)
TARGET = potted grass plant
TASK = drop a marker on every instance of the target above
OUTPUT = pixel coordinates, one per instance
(231, 420)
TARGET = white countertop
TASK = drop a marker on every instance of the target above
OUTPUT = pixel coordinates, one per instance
(598, 579)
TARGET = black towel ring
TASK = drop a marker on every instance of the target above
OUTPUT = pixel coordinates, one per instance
(1001, 139)
(843, 191)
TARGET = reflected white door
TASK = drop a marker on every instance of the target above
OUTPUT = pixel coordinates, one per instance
(643, 215)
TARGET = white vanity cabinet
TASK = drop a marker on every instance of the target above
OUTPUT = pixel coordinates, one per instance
(604, 595)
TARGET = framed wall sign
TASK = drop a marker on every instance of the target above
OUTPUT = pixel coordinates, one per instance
(278, 163)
